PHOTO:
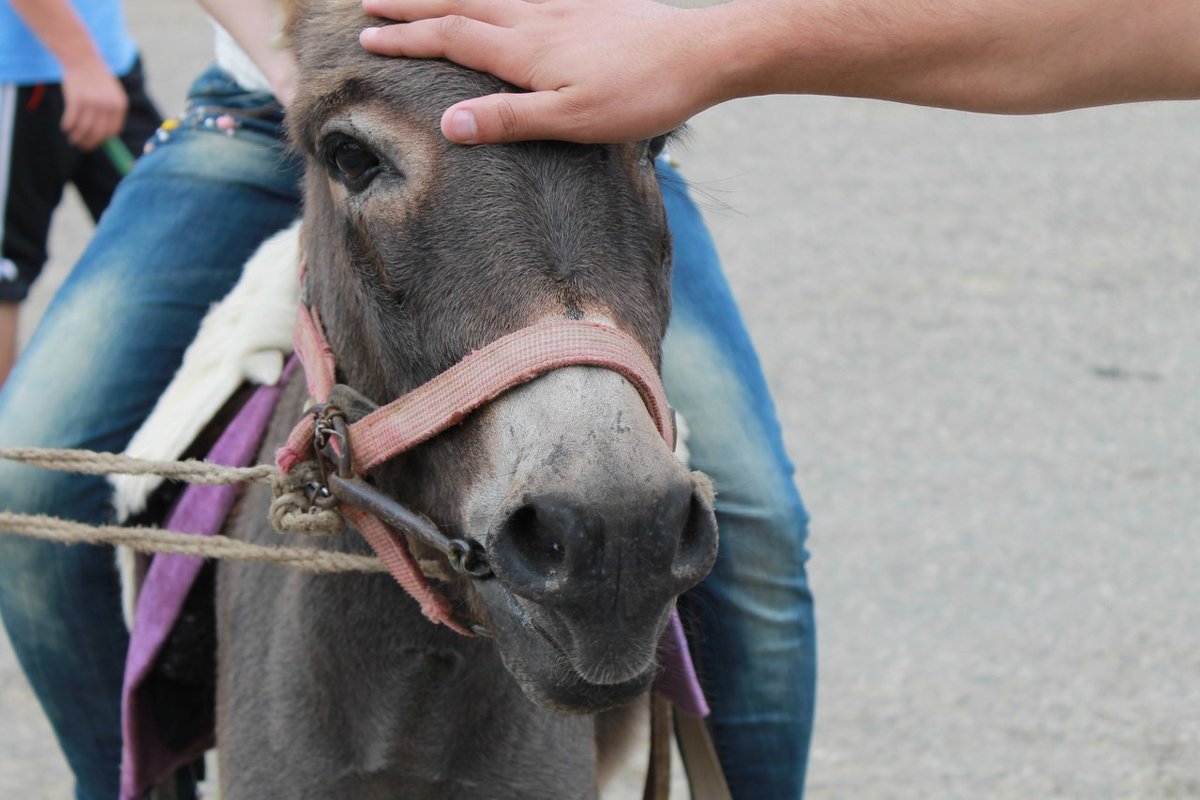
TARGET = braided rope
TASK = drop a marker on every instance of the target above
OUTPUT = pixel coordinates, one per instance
(87, 462)
(156, 540)
(291, 512)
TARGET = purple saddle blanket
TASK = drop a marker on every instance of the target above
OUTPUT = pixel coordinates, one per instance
(147, 756)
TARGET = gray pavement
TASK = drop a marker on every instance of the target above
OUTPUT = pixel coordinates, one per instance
(983, 335)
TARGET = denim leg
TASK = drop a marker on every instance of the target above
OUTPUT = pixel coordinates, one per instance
(752, 618)
(171, 243)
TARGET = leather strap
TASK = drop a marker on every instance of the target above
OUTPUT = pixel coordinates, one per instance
(705, 776)
(658, 773)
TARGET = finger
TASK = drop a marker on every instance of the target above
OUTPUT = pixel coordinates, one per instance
(70, 119)
(473, 44)
(109, 125)
(80, 128)
(96, 132)
(494, 12)
(87, 134)
(92, 141)
(500, 118)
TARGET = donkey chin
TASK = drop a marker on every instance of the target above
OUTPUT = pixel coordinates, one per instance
(555, 674)
(593, 529)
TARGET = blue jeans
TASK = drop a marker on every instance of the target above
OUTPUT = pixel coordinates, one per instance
(751, 620)
(172, 242)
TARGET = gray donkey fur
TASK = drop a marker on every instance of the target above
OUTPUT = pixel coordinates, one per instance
(418, 252)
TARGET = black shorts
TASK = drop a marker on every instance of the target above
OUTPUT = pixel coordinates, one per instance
(36, 164)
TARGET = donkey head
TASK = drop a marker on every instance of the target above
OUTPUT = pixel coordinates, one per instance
(420, 251)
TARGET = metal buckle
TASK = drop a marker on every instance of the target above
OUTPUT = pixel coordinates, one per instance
(331, 439)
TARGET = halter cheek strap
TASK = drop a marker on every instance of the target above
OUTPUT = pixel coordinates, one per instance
(449, 398)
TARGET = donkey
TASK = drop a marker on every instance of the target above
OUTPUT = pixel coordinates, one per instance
(419, 252)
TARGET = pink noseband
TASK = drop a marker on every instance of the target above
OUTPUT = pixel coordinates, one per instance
(450, 397)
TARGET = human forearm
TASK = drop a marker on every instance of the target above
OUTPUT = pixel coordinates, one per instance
(1004, 56)
(59, 28)
(627, 69)
(94, 99)
(255, 25)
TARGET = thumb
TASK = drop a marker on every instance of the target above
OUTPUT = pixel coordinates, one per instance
(511, 118)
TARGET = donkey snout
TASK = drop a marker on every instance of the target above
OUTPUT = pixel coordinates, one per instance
(637, 545)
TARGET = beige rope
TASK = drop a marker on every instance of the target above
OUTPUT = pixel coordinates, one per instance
(157, 540)
(294, 515)
(88, 462)
(291, 509)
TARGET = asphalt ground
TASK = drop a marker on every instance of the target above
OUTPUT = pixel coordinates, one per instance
(983, 335)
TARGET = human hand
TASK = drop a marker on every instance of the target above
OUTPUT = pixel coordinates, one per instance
(95, 104)
(613, 71)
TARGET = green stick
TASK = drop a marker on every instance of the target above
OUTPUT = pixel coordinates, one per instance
(118, 155)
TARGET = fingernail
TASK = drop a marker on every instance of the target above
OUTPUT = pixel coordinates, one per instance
(461, 127)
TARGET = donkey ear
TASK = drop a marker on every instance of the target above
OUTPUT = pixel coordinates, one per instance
(293, 12)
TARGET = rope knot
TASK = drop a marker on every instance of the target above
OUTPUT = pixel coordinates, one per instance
(302, 504)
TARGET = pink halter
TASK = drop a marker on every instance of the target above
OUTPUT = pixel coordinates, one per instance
(446, 400)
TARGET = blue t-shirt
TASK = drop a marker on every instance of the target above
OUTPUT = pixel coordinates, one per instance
(24, 60)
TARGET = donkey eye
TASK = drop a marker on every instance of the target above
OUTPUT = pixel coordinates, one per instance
(655, 146)
(350, 160)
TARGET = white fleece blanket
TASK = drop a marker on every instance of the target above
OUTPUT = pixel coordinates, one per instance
(244, 337)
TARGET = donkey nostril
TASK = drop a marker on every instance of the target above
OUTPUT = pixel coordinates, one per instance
(697, 539)
(534, 540)
(691, 527)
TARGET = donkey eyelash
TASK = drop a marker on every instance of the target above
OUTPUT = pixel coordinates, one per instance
(657, 145)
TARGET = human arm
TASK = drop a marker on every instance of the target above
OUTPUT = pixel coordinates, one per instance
(255, 25)
(628, 69)
(95, 100)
